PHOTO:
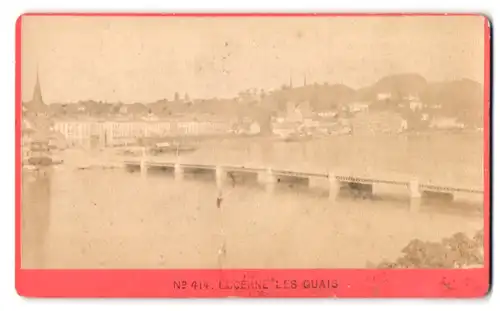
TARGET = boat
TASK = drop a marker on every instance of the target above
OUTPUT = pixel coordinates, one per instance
(297, 137)
(39, 154)
(175, 147)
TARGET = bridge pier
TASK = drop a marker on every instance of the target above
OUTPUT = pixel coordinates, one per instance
(143, 164)
(360, 190)
(144, 168)
(415, 195)
(220, 177)
(178, 172)
(268, 179)
(334, 186)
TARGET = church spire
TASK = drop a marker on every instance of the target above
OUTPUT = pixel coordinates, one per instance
(37, 92)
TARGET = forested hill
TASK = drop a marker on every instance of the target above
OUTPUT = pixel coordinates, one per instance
(458, 98)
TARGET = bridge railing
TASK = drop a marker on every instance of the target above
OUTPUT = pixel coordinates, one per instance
(342, 177)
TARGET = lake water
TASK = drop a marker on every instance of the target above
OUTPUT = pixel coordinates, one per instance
(115, 219)
(446, 158)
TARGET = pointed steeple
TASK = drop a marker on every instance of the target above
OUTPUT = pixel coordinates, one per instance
(37, 92)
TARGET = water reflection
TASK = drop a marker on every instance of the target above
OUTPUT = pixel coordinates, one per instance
(35, 216)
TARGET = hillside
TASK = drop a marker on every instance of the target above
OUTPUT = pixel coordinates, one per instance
(399, 85)
(462, 99)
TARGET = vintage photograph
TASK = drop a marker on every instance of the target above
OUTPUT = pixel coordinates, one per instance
(252, 142)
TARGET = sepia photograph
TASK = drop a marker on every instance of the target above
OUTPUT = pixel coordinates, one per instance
(253, 142)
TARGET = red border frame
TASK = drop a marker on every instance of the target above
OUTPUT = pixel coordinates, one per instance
(159, 283)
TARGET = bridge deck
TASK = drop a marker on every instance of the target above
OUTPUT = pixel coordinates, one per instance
(342, 177)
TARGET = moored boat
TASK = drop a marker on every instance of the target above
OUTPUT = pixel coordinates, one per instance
(175, 147)
(39, 154)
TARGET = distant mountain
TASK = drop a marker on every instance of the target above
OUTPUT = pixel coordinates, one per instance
(398, 86)
(463, 99)
(320, 96)
(401, 84)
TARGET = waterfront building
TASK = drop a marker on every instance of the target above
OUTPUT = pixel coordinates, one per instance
(384, 96)
(36, 127)
(378, 122)
(88, 132)
(358, 107)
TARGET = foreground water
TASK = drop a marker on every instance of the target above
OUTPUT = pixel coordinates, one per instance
(114, 219)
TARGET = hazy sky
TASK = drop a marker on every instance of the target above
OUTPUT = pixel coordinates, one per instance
(144, 59)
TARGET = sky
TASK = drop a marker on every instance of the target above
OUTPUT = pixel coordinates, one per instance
(144, 59)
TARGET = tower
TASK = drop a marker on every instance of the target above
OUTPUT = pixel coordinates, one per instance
(37, 92)
(38, 111)
(305, 80)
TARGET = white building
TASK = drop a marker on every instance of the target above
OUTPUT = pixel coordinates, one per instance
(327, 114)
(416, 105)
(384, 96)
(378, 122)
(254, 128)
(358, 107)
(106, 133)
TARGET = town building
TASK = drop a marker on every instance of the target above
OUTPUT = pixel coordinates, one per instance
(378, 122)
(384, 96)
(88, 132)
(36, 127)
(358, 107)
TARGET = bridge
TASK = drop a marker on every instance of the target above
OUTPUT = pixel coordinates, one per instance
(331, 181)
